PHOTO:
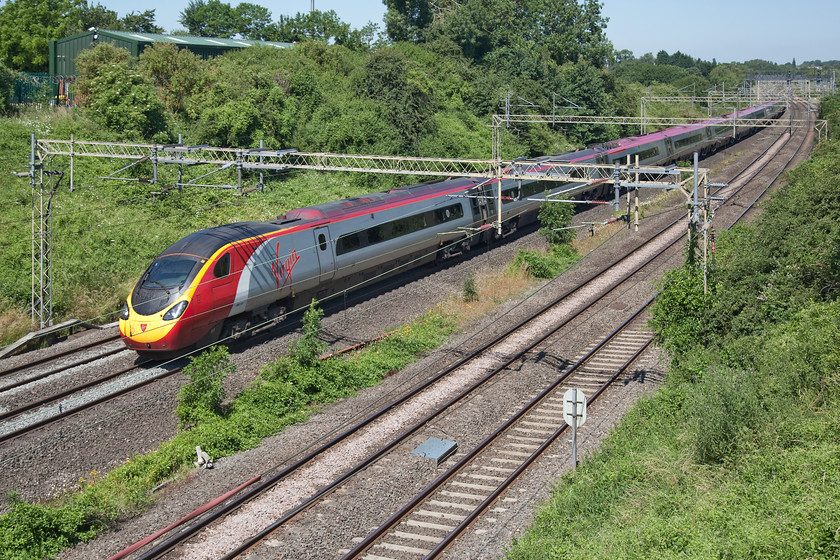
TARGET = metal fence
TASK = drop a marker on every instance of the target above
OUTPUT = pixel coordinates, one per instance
(41, 88)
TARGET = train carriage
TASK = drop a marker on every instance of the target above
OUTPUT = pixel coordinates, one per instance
(223, 281)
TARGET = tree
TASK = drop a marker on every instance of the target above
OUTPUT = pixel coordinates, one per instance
(253, 21)
(561, 30)
(117, 95)
(584, 84)
(90, 62)
(244, 101)
(141, 22)
(314, 26)
(27, 27)
(624, 55)
(404, 95)
(210, 19)
(97, 16)
(570, 31)
(406, 20)
(177, 73)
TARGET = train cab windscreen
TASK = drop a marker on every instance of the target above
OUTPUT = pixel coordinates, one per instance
(163, 282)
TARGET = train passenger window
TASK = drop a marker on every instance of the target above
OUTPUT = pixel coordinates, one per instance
(534, 187)
(648, 154)
(322, 241)
(375, 235)
(447, 214)
(693, 139)
(222, 267)
(347, 243)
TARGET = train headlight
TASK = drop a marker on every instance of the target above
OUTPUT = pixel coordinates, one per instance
(176, 311)
(124, 312)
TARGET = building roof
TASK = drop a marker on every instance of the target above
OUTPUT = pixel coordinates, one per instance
(63, 52)
(184, 40)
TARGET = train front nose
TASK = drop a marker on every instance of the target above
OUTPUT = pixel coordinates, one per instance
(158, 332)
(151, 320)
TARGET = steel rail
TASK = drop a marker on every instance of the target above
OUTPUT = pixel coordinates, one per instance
(57, 355)
(48, 373)
(467, 459)
(65, 393)
(66, 413)
(273, 480)
(421, 497)
(444, 544)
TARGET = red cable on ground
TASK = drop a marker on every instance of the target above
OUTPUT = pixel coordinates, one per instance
(139, 544)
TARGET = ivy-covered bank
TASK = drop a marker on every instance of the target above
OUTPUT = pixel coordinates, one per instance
(738, 455)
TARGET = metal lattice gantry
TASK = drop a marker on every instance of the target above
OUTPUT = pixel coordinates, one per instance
(261, 159)
(579, 178)
(643, 122)
(44, 183)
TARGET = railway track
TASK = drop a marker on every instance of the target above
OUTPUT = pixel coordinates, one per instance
(55, 356)
(35, 414)
(428, 524)
(435, 517)
(497, 356)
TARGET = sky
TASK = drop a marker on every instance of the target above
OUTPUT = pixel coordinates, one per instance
(724, 30)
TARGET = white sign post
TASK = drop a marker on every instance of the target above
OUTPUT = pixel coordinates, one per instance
(574, 413)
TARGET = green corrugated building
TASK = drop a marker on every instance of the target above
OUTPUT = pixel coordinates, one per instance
(63, 52)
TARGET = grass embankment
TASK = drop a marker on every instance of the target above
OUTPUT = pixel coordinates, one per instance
(738, 455)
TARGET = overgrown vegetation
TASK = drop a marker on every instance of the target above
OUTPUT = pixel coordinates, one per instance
(430, 90)
(738, 455)
(201, 399)
(555, 221)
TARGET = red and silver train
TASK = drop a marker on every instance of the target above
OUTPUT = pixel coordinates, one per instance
(222, 281)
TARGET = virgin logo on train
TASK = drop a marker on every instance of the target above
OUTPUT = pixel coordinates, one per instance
(283, 271)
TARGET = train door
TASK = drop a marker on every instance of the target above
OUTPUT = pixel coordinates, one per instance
(222, 287)
(491, 193)
(326, 255)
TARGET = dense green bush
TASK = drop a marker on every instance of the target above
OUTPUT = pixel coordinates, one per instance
(201, 399)
(38, 531)
(555, 219)
(546, 265)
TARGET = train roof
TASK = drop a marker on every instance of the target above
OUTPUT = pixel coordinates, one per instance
(377, 201)
(622, 144)
(206, 242)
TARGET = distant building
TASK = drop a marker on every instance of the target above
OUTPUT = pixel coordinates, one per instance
(63, 52)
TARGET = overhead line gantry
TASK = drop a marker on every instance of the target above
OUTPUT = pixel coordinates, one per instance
(581, 177)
